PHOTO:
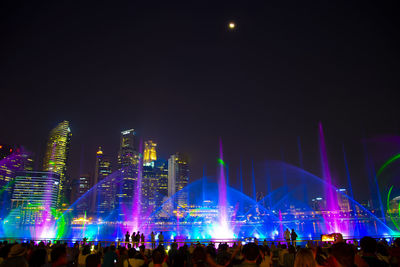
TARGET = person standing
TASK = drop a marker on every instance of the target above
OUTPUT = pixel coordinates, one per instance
(110, 257)
(137, 239)
(293, 235)
(16, 257)
(160, 239)
(133, 239)
(142, 239)
(153, 240)
(127, 236)
(287, 236)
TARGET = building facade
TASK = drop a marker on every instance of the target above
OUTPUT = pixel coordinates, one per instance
(55, 159)
(34, 196)
(14, 161)
(150, 152)
(343, 200)
(80, 187)
(103, 201)
(178, 177)
(128, 165)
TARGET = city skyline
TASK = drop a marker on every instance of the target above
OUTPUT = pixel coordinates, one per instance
(177, 74)
(128, 154)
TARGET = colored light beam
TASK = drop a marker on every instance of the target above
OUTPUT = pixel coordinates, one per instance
(220, 161)
(388, 208)
(331, 201)
(387, 163)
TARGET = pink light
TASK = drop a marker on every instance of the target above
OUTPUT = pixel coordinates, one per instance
(222, 190)
(330, 194)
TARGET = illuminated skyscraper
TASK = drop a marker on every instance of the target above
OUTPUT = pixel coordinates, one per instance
(127, 154)
(343, 201)
(104, 193)
(150, 153)
(128, 161)
(178, 176)
(14, 160)
(80, 187)
(318, 204)
(55, 159)
(161, 172)
(149, 178)
(33, 197)
(149, 185)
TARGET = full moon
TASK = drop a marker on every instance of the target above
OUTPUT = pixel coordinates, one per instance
(232, 25)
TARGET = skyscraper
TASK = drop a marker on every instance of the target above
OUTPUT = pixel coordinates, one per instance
(128, 164)
(150, 153)
(81, 186)
(343, 201)
(178, 177)
(14, 161)
(55, 159)
(34, 195)
(161, 173)
(104, 193)
(149, 179)
(127, 154)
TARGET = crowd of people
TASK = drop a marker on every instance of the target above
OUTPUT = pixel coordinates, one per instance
(371, 253)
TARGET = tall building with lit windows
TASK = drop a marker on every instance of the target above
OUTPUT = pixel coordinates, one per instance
(161, 173)
(127, 154)
(103, 201)
(13, 160)
(34, 197)
(128, 165)
(150, 152)
(80, 187)
(178, 177)
(55, 159)
(343, 200)
(149, 180)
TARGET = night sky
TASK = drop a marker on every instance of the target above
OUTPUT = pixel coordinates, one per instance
(176, 73)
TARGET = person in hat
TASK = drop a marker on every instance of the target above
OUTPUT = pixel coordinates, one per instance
(16, 257)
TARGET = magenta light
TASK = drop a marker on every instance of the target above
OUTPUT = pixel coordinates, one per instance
(137, 199)
(222, 189)
(330, 194)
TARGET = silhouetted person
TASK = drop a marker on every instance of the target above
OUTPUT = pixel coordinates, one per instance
(110, 257)
(93, 260)
(293, 235)
(160, 239)
(127, 236)
(16, 257)
(369, 246)
(137, 239)
(142, 239)
(153, 240)
(38, 258)
(133, 238)
(287, 236)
